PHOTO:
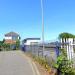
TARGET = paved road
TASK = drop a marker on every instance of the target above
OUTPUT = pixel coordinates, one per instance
(14, 63)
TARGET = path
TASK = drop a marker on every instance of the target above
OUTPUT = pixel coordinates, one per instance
(15, 63)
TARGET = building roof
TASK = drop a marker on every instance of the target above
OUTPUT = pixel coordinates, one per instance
(11, 34)
(32, 39)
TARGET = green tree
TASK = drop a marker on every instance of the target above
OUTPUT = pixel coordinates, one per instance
(17, 44)
(6, 46)
(66, 35)
(1, 44)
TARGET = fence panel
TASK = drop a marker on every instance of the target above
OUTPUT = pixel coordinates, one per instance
(49, 53)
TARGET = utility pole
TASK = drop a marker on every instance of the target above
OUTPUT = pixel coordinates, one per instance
(42, 10)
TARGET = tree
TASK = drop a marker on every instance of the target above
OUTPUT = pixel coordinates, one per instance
(66, 35)
(17, 44)
(6, 46)
(1, 44)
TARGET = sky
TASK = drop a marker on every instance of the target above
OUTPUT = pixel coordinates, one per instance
(24, 17)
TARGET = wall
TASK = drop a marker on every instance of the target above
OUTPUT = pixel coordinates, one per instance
(29, 42)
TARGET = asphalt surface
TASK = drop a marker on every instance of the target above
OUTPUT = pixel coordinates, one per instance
(14, 63)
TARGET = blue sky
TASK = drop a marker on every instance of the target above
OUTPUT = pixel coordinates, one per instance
(24, 17)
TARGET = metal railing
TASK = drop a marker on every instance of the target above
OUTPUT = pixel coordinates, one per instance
(49, 53)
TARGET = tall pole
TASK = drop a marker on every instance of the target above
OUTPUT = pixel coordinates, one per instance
(42, 25)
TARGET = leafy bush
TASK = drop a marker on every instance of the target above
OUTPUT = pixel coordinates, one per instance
(63, 65)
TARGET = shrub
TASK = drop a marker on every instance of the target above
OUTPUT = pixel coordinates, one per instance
(63, 65)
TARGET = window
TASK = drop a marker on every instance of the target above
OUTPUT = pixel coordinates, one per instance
(14, 37)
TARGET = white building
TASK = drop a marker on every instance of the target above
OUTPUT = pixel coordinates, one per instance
(31, 41)
(69, 45)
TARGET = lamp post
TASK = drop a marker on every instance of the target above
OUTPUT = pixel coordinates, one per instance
(42, 11)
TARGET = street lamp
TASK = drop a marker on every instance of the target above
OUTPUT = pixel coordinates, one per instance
(42, 25)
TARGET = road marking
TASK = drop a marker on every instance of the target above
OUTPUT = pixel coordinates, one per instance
(31, 63)
(32, 66)
(36, 68)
